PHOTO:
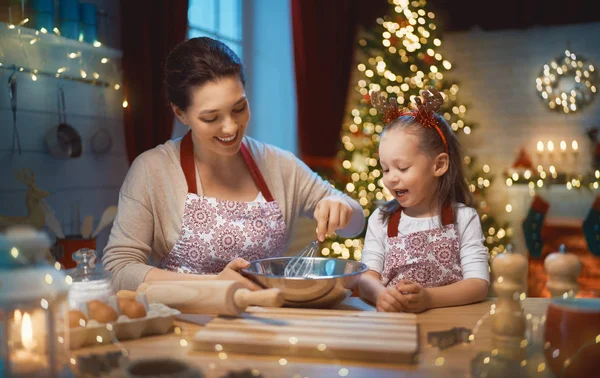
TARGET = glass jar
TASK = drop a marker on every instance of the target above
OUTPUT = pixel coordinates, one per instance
(90, 281)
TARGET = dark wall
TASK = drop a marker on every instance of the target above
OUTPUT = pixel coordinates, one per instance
(459, 15)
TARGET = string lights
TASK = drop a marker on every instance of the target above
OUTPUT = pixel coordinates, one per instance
(82, 74)
(557, 164)
(540, 178)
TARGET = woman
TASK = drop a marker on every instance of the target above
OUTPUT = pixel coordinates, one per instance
(212, 201)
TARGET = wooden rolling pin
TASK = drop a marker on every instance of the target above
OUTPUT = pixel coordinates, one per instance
(217, 297)
(399, 350)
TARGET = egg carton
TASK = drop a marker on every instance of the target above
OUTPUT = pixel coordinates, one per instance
(158, 320)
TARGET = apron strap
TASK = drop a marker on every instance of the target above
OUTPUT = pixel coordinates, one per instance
(393, 223)
(394, 220)
(259, 180)
(186, 155)
(447, 216)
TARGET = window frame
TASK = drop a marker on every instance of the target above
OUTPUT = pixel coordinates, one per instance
(217, 34)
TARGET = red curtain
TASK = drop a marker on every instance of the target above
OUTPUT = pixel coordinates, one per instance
(324, 39)
(149, 30)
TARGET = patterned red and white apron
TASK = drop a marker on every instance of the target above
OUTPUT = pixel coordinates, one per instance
(430, 258)
(215, 231)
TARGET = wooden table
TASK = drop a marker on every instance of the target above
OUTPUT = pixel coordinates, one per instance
(452, 362)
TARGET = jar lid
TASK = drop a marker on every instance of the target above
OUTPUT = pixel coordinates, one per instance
(87, 269)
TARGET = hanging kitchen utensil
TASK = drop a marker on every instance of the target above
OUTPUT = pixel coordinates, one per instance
(101, 140)
(12, 94)
(63, 141)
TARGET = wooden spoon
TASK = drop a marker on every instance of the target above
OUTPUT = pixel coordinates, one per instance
(107, 217)
(86, 227)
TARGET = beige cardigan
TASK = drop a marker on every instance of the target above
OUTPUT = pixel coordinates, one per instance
(152, 199)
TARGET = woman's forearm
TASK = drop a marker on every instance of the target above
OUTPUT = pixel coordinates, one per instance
(459, 293)
(156, 274)
(231, 273)
(370, 287)
(357, 221)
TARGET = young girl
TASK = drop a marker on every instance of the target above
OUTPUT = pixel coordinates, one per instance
(424, 248)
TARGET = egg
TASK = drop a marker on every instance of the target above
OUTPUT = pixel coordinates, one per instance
(77, 319)
(101, 312)
(132, 308)
(127, 294)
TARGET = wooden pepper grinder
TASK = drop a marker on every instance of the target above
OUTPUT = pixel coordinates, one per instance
(563, 269)
(508, 321)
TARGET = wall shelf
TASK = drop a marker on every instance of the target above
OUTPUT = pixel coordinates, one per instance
(47, 54)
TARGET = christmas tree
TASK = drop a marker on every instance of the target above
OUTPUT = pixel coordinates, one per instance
(400, 57)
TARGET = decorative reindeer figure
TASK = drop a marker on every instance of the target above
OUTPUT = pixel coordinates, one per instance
(35, 212)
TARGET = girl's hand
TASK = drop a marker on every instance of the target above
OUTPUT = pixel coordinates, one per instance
(232, 272)
(415, 298)
(331, 213)
(390, 300)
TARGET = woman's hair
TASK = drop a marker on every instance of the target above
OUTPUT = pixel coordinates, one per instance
(452, 186)
(195, 62)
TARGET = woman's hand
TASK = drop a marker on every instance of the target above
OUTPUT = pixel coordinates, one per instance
(331, 213)
(232, 272)
(414, 297)
(390, 300)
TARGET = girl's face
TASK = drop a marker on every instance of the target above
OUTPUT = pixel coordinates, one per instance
(409, 174)
(218, 115)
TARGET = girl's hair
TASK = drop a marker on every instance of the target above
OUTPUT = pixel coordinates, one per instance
(195, 62)
(452, 186)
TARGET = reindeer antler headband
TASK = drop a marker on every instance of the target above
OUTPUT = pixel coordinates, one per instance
(423, 112)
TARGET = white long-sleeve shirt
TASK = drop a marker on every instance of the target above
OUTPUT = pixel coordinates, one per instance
(473, 254)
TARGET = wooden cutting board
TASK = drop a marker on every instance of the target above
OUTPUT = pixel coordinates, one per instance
(328, 334)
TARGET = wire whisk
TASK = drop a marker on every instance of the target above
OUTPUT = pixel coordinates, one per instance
(301, 265)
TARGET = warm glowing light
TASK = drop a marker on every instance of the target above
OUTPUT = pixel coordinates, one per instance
(563, 145)
(27, 333)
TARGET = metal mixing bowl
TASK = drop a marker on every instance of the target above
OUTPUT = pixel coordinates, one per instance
(330, 280)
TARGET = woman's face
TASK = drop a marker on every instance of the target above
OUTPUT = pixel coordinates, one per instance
(218, 115)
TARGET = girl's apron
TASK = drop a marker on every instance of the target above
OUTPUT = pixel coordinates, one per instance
(430, 258)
